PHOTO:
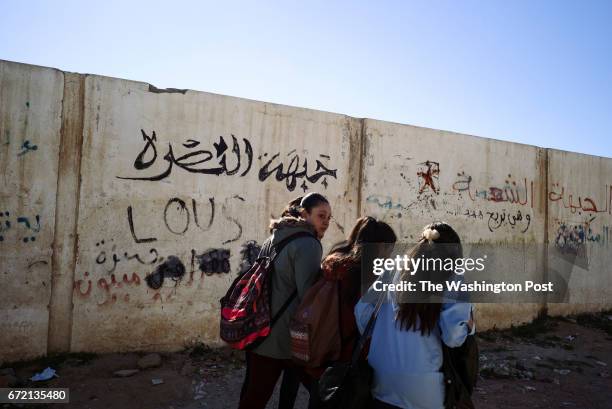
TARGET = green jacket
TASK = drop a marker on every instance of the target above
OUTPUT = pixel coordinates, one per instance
(297, 266)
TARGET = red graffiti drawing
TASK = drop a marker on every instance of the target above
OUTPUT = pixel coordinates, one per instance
(428, 176)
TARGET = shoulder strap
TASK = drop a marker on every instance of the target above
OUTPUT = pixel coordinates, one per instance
(276, 249)
(368, 329)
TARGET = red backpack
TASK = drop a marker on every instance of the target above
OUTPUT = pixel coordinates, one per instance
(245, 308)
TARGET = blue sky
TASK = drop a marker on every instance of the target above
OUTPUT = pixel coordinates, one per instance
(535, 72)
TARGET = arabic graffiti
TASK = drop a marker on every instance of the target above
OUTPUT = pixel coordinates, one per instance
(193, 162)
(110, 263)
(105, 287)
(21, 326)
(386, 202)
(558, 194)
(215, 162)
(570, 236)
(511, 192)
(29, 227)
(115, 286)
(291, 173)
(497, 219)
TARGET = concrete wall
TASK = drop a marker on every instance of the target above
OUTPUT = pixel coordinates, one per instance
(489, 191)
(579, 220)
(30, 125)
(129, 181)
(144, 200)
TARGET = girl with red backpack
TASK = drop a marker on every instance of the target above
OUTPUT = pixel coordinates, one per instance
(296, 268)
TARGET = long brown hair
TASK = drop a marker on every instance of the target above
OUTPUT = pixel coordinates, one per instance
(367, 230)
(444, 244)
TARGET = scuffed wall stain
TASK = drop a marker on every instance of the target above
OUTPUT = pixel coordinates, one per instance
(214, 261)
(249, 252)
(172, 268)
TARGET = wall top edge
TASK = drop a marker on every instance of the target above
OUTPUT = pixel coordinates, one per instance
(152, 88)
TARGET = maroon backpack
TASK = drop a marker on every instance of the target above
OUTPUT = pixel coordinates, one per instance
(245, 308)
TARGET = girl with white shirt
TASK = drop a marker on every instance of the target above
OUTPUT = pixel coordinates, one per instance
(406, 345)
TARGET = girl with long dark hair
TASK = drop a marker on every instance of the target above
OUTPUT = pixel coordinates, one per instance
(406, 345)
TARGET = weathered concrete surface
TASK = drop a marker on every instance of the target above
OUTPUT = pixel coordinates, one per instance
(489, 191)
(580, 216)
(180, 185)
(30, 121)
(65, 242)
(211, 171)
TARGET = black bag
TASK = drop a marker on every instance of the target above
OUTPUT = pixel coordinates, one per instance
(460, 368)
(347, 385)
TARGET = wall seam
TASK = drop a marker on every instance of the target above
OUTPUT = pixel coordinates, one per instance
(77, 201)
(544, 310)
(59, 333)
(362, 140)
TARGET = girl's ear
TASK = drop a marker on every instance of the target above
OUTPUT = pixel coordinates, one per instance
(303, 213)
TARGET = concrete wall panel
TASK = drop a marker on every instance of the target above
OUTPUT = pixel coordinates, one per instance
(489, 191)
(580, 216)
(30, 122)
(189, 179)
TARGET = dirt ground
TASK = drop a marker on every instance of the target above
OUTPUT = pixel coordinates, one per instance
(551, 363)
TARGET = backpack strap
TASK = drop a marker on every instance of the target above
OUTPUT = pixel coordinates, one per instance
(277, 248)
(368, 329)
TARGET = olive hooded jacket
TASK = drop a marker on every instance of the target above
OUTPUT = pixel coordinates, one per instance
(296, 267)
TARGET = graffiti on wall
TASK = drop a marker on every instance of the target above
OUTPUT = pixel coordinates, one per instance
(517, 192)
(498, 219)
(109, 259)
(579, 204)
(104, 287)
(223, 160)
(160, 274)
(26, 147)
(172, 268)
(428, 175)
(433, 199)
(180, 216)
(27, 228)
(570, 236)
(195, 160)
(296, 169)
(214, 261)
